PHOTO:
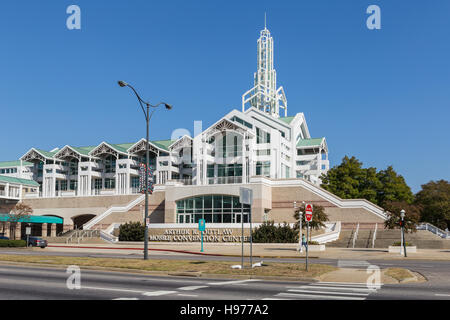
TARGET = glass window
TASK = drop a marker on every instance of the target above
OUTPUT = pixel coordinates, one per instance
(207, 217)
(207, 202)
(199, 204)
(217, 201)
(189, 203)
(212, 208)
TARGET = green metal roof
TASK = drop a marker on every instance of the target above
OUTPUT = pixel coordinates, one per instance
(35, 219)
(288, 120)
(310, 142)
(47, 154)
(15, 163)
(163, 144)
(121, 147)
(83, 150)
(18, 181)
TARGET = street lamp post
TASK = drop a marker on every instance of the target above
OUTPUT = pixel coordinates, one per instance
(402, 215)
(300, 232)
(148, 116)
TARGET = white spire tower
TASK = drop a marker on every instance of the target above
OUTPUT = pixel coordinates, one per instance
(264, 95)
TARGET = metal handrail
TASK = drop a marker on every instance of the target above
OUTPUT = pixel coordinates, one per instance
(433, 229)
(374, 235)
(355, 236)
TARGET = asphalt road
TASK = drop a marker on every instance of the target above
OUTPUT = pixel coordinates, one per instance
(23, 282)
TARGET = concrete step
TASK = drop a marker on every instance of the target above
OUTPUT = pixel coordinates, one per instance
(344, 240)
(422, 239)
(74, 240)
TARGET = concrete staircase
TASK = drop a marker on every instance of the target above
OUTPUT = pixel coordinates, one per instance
(344, 241)
(422, 239)
(384, 238)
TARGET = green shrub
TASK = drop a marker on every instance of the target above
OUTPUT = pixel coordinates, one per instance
(132, 231)
(313, 243)
(269, 233)
(13, 243)
(398, 243)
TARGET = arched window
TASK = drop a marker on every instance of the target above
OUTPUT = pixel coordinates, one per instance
(212, 208)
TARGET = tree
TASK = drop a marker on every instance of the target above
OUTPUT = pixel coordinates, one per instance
(393, 188)
(20, 213)
(319, 218)
(434, 200)
(344, 180)
(393, 209)
(349, 180)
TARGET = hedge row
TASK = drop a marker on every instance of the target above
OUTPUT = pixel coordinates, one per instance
(13, 243)
(269, 233)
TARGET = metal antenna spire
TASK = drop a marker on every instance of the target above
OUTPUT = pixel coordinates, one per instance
(264, 95)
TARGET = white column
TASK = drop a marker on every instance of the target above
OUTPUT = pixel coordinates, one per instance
(79, 192)
(7, 190)
(21, 168)
(53, 192)
(169, 174)
(244, 160)
(117, 177)
(128, 177)
(89, 179)
(205, 162)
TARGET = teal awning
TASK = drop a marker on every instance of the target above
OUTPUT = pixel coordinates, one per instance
(35, 219)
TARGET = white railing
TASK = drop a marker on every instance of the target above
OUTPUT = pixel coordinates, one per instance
(374, 235)
(225, 180)
(433, 229)
(184, 181)
(100, 217)
(108, 237)
(332, 233)
(79, 235)
(355, 236)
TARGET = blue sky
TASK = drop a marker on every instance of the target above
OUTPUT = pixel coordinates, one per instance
(380, 95)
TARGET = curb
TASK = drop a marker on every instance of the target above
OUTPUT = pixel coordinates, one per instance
(186, 252)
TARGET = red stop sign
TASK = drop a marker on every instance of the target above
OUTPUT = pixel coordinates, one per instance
(308, 212)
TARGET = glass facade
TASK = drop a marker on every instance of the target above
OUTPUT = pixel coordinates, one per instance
(212, 208)
(263, 168)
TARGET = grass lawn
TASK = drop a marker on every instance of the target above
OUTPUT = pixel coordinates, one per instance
(398, 273)
(208, 267)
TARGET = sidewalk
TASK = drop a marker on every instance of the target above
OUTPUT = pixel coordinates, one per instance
(259, 250)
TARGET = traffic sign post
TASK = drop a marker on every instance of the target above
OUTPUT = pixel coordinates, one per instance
(28, 232)
(201, 228)
(246, 197)
(308, 217)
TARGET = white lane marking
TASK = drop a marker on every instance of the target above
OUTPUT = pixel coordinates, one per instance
(329, 292)
(190, 288)
(442, 295)
(126, 299)
(336, 288)
(157, 293)
(113, 289)
(302, 295)
(232, 282)
(274, 299)
(188, 295)
(353, 263)
(355, 284)
(145, 293)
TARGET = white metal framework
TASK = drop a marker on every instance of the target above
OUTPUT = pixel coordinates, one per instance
(264, 95)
